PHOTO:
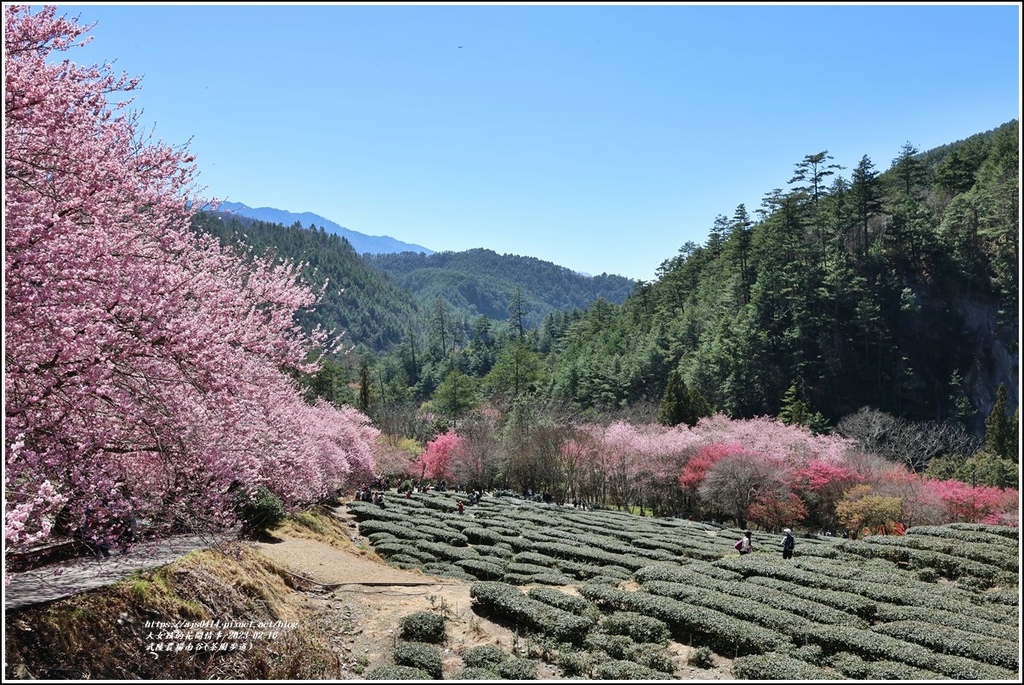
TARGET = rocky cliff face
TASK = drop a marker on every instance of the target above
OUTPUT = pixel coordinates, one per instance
(993, 355)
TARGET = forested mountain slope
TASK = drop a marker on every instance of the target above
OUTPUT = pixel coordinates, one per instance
(852, 288)
(358, 300)
(482, 282)
(894, 290)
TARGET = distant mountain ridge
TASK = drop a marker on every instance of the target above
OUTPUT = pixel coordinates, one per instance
(362, 243)
(482, 282)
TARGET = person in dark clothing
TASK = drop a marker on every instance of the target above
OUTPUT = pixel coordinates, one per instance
(788, 543)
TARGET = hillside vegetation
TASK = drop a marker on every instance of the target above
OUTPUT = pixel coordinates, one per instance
(480, 282)
(895, 290)
(355, 299)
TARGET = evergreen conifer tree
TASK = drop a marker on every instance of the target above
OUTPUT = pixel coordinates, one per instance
(997, 428)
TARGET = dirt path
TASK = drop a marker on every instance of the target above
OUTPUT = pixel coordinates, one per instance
(351, 588)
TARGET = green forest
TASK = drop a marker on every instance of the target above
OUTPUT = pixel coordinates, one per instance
(860, 300)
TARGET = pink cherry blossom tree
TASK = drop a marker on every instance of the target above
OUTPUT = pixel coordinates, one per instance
(436, 460)
(145, 367)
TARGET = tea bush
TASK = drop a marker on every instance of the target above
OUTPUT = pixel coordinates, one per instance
(868, 609)
(447, 570)
(518, 668)
(560, 600)
(689, 624)
(984, 648)
(637, 626)
(399, 529)
(626, 670)
(701, 657)
(422, 626)
(481, 569)
(419, 655)
(654, 658)
(396, 672)
(508, 603)
(575, 663)
(778, 667)
(484, 656)
(446, 551)
(892, 613)
(856, 668)
(473, 673)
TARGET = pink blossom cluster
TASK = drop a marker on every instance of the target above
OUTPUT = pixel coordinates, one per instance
(440, 455)
(146, 368)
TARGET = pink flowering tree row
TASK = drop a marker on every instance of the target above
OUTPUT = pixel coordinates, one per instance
(146, 369)
(757, 472)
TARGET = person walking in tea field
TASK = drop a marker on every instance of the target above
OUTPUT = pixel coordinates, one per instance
(788, 543)
(745, 545)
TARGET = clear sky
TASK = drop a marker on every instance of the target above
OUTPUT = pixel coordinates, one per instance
(600, 136)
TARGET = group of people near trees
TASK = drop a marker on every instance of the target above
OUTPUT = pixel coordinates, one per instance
(745, 545)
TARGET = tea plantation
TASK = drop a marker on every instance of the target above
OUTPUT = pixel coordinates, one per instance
(939, 603)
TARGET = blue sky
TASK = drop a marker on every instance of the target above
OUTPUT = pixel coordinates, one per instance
(600, 137)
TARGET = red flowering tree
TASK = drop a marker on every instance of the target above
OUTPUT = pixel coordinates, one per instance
(974, 504)
(697, 467)
(144, 366)
(776, 510)
(436, 460)
(729, 478)
(821, 485)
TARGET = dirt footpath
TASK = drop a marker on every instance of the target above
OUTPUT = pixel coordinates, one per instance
(365, 599)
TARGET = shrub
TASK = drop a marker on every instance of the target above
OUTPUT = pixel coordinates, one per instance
(479, 568)
(615, 646)
(637, 626)
(447, 552)
(517, 668)
(626, 670)
(691, 624)
(652, 657)
(511, 605)
(854, 667)
(560, 600)
(947, 640)
(447, 570)
(419, 655)
(701, 657)
(484, 656)
(258, 509)
(812, 654)
(400, 530)
(423, 626)
(476, 673)
(778, 667)
(396, 672)
(575, 663)
(479, 535)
